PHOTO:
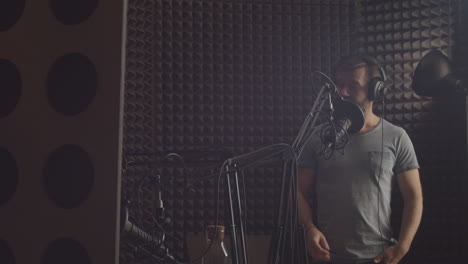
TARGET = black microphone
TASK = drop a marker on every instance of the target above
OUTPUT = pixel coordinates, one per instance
(332, 137)
(347, 117)
(128, 227)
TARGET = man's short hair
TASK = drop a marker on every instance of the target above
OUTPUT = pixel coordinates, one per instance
(358, 61)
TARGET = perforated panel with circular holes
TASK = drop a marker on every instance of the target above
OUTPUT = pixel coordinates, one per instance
(9, 179)
(10, 83)
(10, 12)
(73, 12)
(71, 83)
(6, 253)
(65, 250)
(68, 176)
(61, 105)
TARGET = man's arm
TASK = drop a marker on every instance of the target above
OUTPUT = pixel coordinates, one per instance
(306, 181)
(317, 245)
(410, 187)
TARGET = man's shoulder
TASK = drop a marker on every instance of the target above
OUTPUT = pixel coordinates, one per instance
(393, 129)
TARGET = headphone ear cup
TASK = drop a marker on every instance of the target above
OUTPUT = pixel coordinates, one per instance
(376, 91)
(380, 91)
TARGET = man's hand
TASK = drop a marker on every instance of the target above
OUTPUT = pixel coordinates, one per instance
(317, 245)
(392, 254)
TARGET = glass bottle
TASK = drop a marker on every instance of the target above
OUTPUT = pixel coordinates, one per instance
(218, 253)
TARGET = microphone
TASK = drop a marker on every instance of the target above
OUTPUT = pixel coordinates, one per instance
(332, 137)
(128, 227)
(347, 117)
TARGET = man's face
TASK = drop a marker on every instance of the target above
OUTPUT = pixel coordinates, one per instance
(352, 85)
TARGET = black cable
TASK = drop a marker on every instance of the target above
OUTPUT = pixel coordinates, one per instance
(153, 218)
(166, 233)
(216, 213)
(159, 260)
(138, 187)
(135, 188)
(324, 147)
(138, 204)
(221, 172)
(140, 182)
(380, 173)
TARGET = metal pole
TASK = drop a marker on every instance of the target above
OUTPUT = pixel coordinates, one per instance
(235, 252)
(243, 241)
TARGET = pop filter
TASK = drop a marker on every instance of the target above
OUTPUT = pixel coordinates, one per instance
(345, 109)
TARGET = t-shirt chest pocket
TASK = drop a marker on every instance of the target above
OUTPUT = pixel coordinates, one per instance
(380, 161)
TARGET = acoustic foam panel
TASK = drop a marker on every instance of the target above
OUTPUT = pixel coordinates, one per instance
(138, 114)
(237, 75)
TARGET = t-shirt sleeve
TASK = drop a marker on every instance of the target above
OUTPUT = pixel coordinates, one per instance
(405, 156)
(308, 157)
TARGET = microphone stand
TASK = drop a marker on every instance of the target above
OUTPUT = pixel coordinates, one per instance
(288, 207)
(308, 126)
(239, 252)
(243, 253)
(234, 165)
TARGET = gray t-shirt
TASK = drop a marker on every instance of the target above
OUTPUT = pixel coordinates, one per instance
(347, 190)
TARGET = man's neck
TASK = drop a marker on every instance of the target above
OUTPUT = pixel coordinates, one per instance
(371, 121)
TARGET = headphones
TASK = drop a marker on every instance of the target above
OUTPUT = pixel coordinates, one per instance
(377, 84)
